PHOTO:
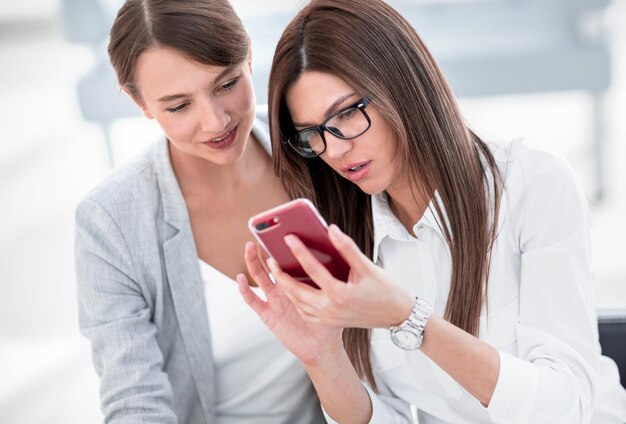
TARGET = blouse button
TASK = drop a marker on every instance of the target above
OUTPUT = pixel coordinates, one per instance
(419, 231)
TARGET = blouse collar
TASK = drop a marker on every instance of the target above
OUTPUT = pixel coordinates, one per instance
(386, 224)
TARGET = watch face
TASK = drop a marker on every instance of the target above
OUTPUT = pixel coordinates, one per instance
(406, 340)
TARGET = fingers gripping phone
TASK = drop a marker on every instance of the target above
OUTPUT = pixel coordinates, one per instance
(298, 217)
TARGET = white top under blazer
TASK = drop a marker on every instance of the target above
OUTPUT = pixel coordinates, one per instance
(258, 380)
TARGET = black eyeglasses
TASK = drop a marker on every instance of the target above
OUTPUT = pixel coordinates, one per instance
(346, 124)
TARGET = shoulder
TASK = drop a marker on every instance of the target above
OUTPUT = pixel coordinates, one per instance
(534, 174)
(542, 193)
(126, 189)
(524, 167)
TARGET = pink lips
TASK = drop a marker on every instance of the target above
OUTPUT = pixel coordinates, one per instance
(357, 170)
(222, 141)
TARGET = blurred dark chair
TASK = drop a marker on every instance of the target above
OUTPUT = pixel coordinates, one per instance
(612, 329)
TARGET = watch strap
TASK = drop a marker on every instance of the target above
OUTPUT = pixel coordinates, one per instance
(416, 320)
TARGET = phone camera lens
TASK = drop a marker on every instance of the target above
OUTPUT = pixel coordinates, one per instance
(262, 226)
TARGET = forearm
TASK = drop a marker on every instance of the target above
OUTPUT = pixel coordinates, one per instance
(472, 363)
(339, 388)
(549, 383)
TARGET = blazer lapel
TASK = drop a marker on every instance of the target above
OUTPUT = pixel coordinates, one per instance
(185, 283)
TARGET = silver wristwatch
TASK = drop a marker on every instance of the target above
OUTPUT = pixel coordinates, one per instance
(410, 334)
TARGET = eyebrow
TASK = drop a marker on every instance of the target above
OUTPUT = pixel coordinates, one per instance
(330, 109)
(171, 97)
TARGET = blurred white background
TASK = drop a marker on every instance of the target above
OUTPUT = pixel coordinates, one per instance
(50, 157)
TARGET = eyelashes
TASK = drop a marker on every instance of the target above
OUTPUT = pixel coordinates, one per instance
(177, 109)
(229, 85)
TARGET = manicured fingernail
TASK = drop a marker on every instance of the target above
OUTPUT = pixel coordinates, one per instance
(289, 240)
(335, 230)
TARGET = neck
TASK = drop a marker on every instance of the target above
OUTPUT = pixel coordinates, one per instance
(408, 203)
(200, 176)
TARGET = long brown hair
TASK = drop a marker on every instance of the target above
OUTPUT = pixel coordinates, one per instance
(377, 52)
(207, 31)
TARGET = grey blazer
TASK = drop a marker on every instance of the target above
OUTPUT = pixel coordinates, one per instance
(141, 297)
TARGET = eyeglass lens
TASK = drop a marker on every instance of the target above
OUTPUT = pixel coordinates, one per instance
(346, 124)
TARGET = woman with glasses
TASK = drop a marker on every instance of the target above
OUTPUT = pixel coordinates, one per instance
(470, 291)
(158, 243)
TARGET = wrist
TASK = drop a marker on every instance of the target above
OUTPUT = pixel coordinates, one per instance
(401, 310)
(328, 357)
(409, 335)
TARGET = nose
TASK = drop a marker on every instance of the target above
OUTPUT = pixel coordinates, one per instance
(213, 117)
(336, 147)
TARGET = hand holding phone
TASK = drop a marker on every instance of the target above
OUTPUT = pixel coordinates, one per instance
(298, 217)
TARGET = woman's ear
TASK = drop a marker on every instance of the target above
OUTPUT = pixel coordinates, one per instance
(138, 102)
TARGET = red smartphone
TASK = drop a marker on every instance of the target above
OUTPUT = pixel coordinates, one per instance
(298, 217)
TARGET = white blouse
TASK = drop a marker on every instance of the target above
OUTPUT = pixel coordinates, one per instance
(258, 380)
(540, 315)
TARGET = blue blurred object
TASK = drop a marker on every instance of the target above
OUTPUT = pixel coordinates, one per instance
(100, 98)
(493, 47)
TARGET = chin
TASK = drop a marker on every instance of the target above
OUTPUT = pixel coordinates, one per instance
(371, 189)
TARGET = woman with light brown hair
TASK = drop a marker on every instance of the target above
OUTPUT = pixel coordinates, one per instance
(158, 242)
(470, 291)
